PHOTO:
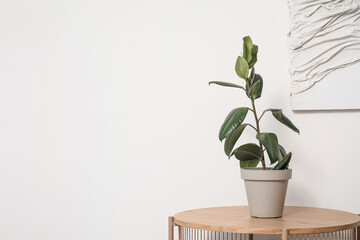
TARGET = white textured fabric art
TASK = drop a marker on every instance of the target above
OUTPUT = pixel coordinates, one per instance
(324, 36)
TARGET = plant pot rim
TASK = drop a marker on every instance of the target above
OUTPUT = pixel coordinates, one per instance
(268, 168)
(258, 174)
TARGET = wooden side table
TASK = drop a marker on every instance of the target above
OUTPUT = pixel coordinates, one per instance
(235, 223)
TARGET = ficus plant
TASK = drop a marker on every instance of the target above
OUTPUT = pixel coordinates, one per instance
(251, 154)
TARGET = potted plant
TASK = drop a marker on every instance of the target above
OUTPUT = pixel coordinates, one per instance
(265, 186)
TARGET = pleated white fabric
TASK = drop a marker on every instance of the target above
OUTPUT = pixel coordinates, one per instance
(324, 36)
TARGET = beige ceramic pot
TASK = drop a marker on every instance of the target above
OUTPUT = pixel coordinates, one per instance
(266, 191)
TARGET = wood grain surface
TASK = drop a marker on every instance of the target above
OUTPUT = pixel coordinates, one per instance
(296, 220)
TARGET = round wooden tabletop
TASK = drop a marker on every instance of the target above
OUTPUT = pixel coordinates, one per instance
(296, 220)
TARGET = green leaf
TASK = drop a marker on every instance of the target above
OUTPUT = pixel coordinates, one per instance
(257, 85)
(247, 46)
(232, 138)
(277, 113)
(232, 121)
(282, 152)
(254, 52)
(249, 164)
(242, 68)
(249, 155)
(271, 144)
(284, 163)
(254, 88)
(257, 79)
(251, 77)
(226, 84)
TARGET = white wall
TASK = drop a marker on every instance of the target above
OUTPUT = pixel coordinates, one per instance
(108, 126)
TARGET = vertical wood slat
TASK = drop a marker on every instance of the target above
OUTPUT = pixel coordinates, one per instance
(284, 234)
(171, 228)
(185, 233)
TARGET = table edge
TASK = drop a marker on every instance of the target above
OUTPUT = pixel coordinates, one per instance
(326, 229)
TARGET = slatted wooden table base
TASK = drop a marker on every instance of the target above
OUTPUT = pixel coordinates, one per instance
(235, 223)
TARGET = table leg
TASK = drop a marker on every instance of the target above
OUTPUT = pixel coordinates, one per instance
(171, 228)
(285, 234)
(251, 236)
(358, 233)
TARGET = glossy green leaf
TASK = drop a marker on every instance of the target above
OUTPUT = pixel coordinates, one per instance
(254, 52)
(256, 87)
(242, 68)
(249, 152)
(282, 152)
(226, 84)
(247, 46)
(249, 164)
(259, 79)
(232, 138)
(271, 144)
(277, 113)
(251, 77)
(284, 163)
(232, 121)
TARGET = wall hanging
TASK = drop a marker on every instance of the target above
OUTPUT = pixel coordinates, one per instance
(324, 43)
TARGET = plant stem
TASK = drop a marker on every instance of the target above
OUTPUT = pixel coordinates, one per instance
(258, 131)
(253, 127)
(261, 116)
(256, 118)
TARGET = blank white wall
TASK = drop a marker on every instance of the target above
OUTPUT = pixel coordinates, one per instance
(108, 126)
